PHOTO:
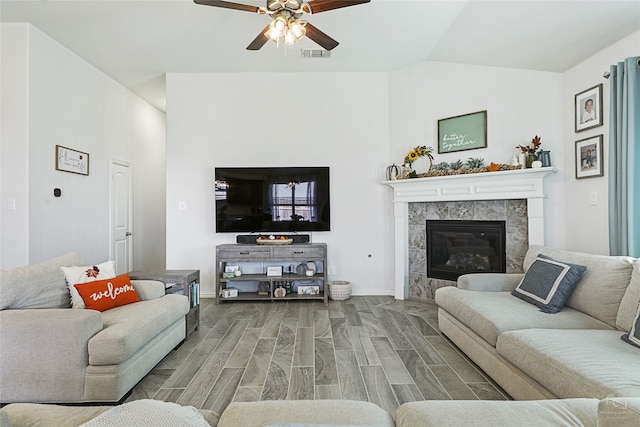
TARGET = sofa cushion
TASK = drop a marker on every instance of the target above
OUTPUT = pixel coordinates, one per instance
(633, 337)
(548, 283)
(129, 327)
(39, 285)
(602, 286)
(84, 274)
(102, 295)
(478, 413)
(575, 363)
(630, 300)
(489, 314)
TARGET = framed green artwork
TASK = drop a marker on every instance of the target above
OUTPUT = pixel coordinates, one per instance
(460, 133)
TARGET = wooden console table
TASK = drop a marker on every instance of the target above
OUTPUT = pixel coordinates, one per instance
(253, 261)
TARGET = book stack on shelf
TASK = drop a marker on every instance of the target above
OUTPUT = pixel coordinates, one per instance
(194, 293)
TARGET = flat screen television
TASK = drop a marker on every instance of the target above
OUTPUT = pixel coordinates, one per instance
(272, 200)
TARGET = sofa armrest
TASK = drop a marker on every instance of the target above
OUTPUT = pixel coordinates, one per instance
(490, 282)
(148, 289)
(44, 353)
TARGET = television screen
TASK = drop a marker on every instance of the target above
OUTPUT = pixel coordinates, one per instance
(277, 199)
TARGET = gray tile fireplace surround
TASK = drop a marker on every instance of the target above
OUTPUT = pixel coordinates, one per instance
(514, 212)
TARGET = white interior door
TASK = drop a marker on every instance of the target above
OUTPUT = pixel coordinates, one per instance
(121, 216)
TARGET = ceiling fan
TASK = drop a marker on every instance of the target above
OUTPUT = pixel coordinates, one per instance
(285, 22)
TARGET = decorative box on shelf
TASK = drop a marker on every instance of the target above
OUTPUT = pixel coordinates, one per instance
(308, 290)
(229, 293)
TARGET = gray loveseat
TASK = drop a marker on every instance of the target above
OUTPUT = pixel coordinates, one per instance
(50, 352)
(575, 353)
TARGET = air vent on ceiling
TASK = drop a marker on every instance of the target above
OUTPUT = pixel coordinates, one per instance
(315, 53)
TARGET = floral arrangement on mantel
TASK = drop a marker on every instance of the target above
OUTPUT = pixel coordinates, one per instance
(530, 151)
(417, 152)
(412, 156)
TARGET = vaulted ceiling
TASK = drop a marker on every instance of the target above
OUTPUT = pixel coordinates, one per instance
(137, 42)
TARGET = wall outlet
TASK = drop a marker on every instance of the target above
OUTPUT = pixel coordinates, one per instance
(593, 200)
(182, 206)
(333, 270)
(11, 204)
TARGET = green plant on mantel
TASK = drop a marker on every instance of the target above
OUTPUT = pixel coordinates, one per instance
(475, 163)
(442, 166)
(456, 165)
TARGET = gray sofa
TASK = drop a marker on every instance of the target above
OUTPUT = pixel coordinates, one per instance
(575, 353)
(612, 412)
(50, 352)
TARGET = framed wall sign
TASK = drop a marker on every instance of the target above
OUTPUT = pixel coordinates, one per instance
(588, 108)
(70, 160)
(589, 161)
(460, 133)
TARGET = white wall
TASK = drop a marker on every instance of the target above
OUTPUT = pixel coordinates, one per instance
(587, 226)
(73, 104)
(14, 134)
(282, 119)
(520, 104)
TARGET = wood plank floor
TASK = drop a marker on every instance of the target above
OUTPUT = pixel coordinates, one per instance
(374, 349)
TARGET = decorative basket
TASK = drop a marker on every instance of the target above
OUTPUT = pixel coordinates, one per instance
(339, 290)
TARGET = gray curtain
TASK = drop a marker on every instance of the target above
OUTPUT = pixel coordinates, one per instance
(624, 158)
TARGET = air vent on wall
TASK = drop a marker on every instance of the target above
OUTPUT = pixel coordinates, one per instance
(315, 53)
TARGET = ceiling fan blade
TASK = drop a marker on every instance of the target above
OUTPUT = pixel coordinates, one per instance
(259, 41)
(319, 37)
(317, 6)
(228, 5)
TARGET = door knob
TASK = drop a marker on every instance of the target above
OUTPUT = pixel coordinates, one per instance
(127, 233)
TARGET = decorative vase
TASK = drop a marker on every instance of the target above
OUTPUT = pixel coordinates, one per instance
(530, 159)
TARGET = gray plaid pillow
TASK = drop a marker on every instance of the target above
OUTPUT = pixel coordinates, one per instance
(633, 337)
(548, 283)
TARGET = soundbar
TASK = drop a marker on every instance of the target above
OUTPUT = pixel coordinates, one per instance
(250, 239)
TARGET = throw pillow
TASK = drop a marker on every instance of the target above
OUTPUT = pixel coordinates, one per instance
(84, 274)
(633, 337)
(102, 295)
(548, 283)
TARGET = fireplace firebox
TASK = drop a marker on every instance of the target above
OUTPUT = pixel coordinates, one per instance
(455, 248)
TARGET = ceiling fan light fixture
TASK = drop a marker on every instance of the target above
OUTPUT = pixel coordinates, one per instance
(297, 29)
(278, 28)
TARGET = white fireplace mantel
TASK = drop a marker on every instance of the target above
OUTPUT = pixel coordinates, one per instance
(515, 184)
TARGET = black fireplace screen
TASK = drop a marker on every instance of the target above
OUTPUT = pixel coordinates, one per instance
(455, 248)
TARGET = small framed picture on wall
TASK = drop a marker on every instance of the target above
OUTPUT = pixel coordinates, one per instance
(589, 161)
(588, 108)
